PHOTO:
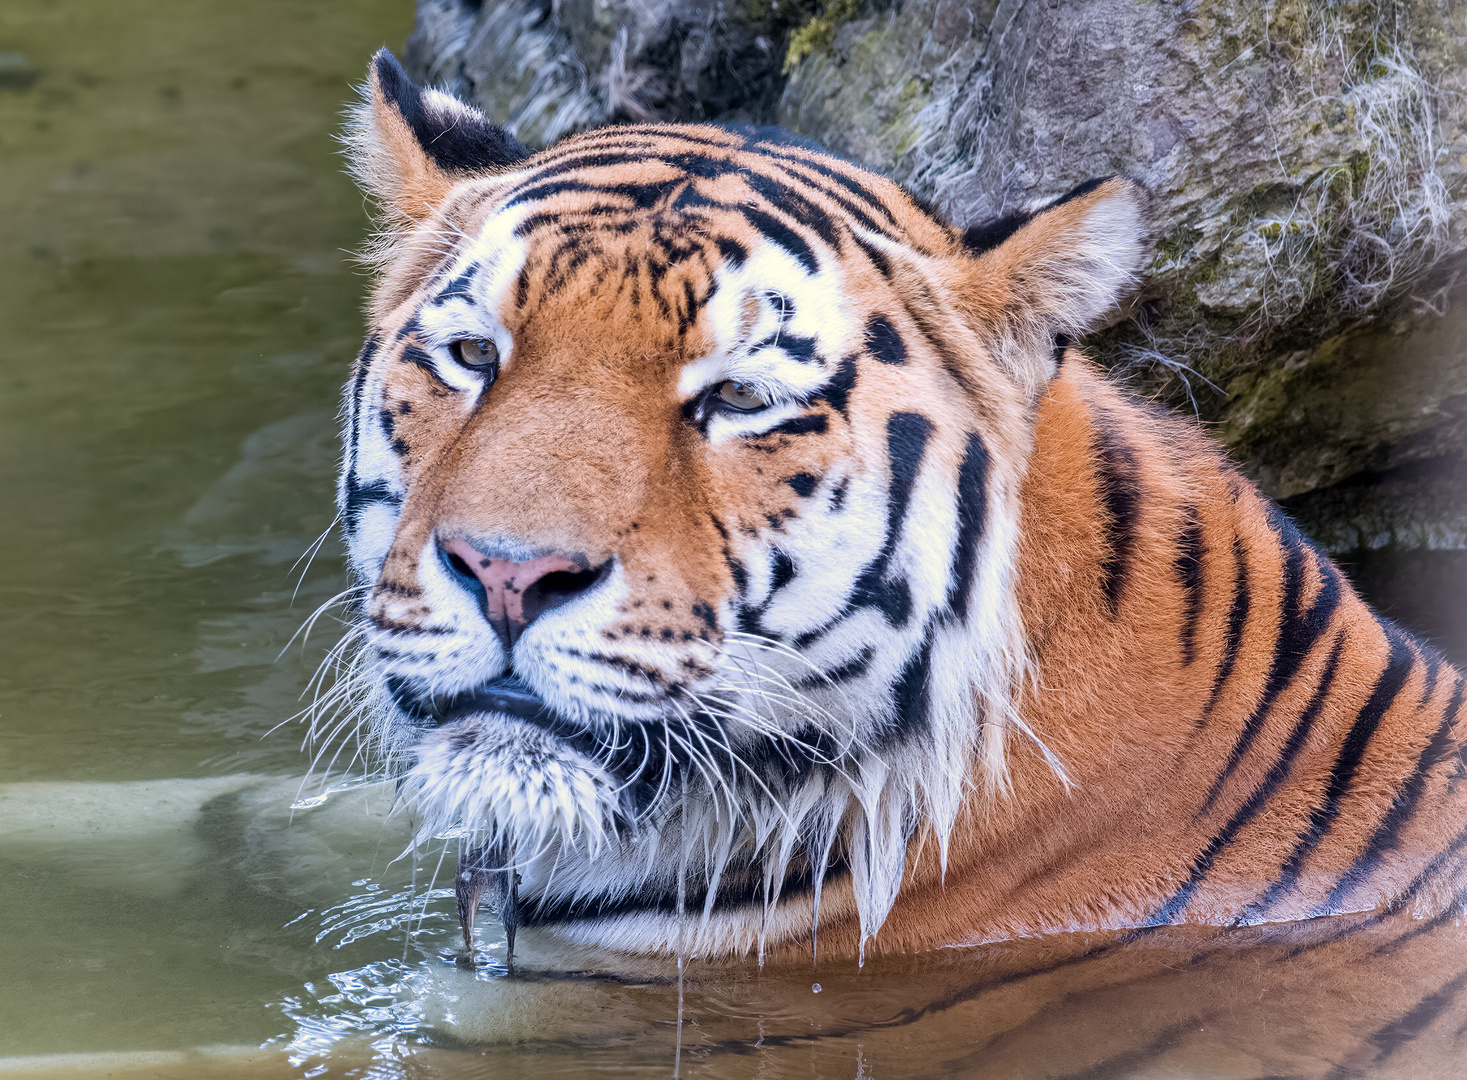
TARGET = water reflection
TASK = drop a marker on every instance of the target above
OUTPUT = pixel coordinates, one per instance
(1176, 1002)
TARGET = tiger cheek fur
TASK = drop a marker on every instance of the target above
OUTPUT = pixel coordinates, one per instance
(748, 560)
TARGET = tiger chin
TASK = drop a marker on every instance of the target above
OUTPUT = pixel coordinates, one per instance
(750, 563)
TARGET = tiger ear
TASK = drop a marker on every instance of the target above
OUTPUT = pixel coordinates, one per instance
(1033, 280)
(409, 145)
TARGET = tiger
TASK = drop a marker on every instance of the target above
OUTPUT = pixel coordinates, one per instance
(751, 563)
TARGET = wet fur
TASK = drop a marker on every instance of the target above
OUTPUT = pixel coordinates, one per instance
(955, 641)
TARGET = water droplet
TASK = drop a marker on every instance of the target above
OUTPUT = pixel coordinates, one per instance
(815, 988)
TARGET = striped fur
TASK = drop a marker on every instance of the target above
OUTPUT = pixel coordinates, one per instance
(950, 640)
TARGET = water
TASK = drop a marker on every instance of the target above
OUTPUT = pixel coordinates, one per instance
(179, 312)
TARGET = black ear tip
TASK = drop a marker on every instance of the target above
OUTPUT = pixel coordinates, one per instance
(390, 74)
(1137, 190)
(456, 136)
(1079, 191)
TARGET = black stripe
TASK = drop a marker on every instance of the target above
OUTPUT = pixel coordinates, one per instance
(688, 312)
(781, 234)
(458, 288)
(803, 483)
(650, 138)
(1447, 915)
(359, 496)
(972, 510)
(913, 306)
(418, 357)
(795, 346)
(837, 389)
(1387, 835)
(911, 694)
(358, 387)
(906, 440)
(736, 570)
(1298, 633)
(1260, 797)
(854, 186)
(1120, 495)
(637, 197)
(1191, 547)
(809, 424)
(1237, 623)
(556, 221)
(1450, 913)
(1085, 187)
(1426, 874)
(733, 252)
(876, 255)
(1321, 818)
(1434, 661)
(647, 195)
(561, 265)
(690, 162)
(782, 571)
(883, 341)
(851, 669)
(988, 235)
(796, 205)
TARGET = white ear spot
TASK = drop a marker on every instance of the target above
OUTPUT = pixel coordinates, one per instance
(1105, 262)
(1059, 273)
(446, 109)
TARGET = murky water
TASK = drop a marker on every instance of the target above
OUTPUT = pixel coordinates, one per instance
(178, 314)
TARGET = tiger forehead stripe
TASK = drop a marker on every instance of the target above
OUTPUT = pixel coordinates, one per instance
(710, 160)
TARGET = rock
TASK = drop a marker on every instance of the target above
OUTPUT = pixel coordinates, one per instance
(1309, 162)
(549, 67)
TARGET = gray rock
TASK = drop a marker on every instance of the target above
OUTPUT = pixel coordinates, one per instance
(548, 68)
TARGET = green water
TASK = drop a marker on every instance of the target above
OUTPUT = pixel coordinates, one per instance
(178, 311)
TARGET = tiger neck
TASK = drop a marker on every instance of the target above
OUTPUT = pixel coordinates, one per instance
(1247, 741)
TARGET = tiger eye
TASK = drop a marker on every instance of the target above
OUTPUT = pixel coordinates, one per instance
(741, 396)
(475, 353)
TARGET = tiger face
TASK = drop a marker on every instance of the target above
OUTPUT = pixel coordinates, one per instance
(681, 475)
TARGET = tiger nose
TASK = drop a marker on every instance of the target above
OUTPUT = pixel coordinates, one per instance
(512, 595)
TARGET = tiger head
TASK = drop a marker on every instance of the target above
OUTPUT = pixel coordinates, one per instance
(681, 477)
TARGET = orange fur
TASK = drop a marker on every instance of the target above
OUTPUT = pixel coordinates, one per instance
(1197, 793)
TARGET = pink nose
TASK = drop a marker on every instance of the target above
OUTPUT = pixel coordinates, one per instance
(515, 594)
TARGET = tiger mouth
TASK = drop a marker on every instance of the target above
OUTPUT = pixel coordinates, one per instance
(508, 694)
(636, 761)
